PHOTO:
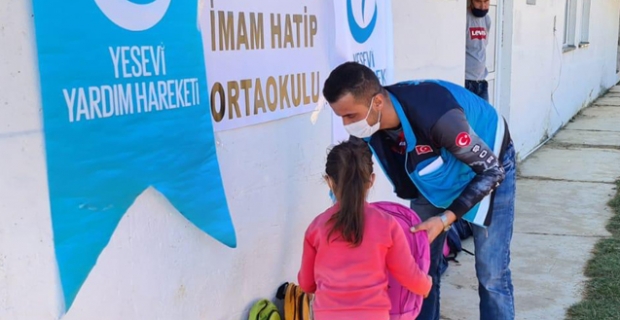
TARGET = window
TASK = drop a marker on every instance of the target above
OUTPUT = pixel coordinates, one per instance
(585, 24)
(570, 17)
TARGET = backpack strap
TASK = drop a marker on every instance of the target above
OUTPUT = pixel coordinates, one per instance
(300, 305)
(296, 302)
(261, 310)
(271, 313)
(281, 293)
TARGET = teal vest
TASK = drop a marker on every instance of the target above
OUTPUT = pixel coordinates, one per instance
(441, 179)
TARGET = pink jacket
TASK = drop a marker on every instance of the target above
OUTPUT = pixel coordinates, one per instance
(351, 282)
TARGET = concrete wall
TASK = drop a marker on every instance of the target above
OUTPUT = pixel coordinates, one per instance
(429, 39)
(157, 265)
(550, 86)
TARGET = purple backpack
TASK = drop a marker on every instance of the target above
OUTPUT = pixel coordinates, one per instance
(405, 304)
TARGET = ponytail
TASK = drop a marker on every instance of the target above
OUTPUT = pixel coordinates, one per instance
(350, 169)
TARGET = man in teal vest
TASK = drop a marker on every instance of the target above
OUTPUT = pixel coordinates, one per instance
(450, 153)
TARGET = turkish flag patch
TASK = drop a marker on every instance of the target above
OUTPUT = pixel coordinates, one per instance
(423, 149)
(462, 140)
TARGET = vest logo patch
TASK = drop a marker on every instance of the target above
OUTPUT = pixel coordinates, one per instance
(462, 140)
(423, 149)
(477, 33)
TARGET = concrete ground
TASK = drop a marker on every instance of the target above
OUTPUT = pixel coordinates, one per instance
(561, 212)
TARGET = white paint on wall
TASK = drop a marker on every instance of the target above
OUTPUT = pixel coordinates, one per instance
(29, 284)
(158, 266)
(429, 39)
(550, 86)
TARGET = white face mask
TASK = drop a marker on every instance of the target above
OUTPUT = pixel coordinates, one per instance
(362, 129)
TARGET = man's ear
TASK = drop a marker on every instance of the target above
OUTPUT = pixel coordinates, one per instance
(379, 102)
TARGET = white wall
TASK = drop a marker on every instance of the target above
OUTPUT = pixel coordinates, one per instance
(157, 265)
(541, 70)
(429, 39)
(28, 276)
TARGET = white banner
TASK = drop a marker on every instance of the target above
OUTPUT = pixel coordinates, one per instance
(266, 60)
(364, 34)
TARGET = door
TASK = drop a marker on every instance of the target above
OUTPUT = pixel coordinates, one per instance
(618, 53)
(493, 50)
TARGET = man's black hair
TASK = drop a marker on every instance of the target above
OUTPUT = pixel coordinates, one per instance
(354, 78)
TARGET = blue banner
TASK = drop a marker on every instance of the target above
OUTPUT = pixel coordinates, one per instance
(125, 107)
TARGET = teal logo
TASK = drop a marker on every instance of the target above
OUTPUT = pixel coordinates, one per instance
(124, 13)
(361, 34)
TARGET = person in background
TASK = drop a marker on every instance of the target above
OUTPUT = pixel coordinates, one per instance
(478, 28)
(349, 248)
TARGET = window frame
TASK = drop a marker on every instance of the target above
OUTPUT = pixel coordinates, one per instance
(584, 35)
(570, 25)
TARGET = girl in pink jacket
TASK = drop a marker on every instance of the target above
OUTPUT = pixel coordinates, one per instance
(349, 248)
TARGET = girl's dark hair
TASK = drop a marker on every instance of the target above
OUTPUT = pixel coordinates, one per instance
(349, 165)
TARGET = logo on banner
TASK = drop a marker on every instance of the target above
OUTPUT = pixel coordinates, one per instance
(360, 33)
(134, 16)
(477, 33)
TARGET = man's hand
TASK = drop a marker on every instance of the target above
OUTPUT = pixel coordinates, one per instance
(433, 226)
